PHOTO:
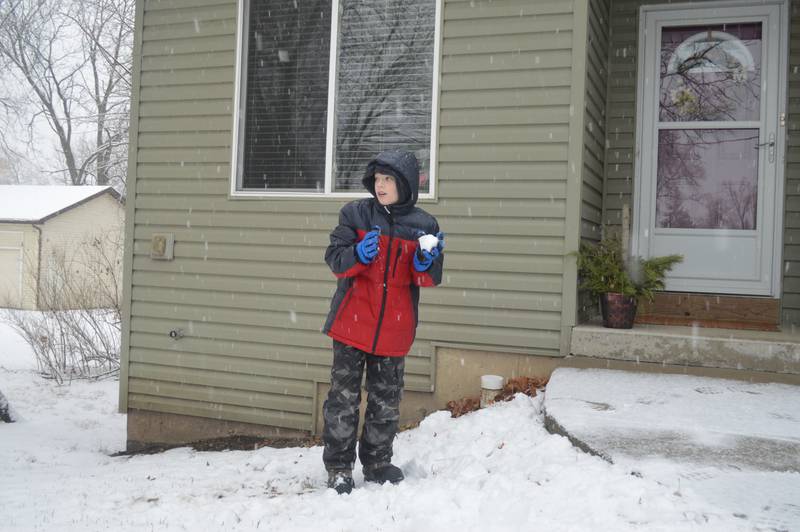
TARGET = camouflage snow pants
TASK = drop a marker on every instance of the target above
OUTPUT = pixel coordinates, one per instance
(340, 411)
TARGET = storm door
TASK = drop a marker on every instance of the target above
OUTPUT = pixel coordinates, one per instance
(710, 154)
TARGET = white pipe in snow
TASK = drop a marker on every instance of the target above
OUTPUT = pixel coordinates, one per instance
(490, 387)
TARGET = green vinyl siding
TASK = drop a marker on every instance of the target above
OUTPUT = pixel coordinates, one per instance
(621, 123)
(248, 286)
(620, 110)
(594, 134)
(790, 303)
(504, 135)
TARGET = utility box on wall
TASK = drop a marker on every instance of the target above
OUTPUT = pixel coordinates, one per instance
(162, 246)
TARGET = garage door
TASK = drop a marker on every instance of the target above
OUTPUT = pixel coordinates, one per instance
(10, 269)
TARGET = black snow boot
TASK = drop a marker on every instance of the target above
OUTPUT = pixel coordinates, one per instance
(341, 480)
(383, 472)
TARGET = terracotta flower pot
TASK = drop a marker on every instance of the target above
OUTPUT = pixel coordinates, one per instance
(618, 310)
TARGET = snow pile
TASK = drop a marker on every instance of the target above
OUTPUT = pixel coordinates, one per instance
(15, 353)
(496, 469)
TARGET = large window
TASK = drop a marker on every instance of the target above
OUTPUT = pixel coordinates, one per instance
(325, 86)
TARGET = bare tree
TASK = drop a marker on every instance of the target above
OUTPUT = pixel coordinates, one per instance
(709, 83)
(107, 35)
(71, 60)
(742, 196)
(679, 166)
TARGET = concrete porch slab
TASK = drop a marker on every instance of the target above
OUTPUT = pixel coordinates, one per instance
(733, 443)
(759, 351)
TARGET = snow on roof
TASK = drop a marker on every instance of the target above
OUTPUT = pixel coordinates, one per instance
(33, 203)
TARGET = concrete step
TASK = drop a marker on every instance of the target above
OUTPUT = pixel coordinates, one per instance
(755, 351)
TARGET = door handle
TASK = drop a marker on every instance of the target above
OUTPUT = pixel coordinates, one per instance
(771, 145)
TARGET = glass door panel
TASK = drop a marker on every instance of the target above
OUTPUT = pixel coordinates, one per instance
(707, 179)
(710, 73)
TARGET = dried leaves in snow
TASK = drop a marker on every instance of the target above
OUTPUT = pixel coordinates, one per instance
(462, 406)
(527, 385)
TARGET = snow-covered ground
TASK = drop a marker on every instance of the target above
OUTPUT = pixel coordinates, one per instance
(495, 469)
(733, 443)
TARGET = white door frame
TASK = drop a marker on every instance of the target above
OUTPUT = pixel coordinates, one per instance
(773, 198)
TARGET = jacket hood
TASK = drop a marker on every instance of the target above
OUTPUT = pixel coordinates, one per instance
(406, 170)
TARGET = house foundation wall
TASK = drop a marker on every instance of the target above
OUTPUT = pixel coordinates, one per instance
(457, 375)
(147, 429)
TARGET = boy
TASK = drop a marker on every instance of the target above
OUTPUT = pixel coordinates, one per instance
(375, 254)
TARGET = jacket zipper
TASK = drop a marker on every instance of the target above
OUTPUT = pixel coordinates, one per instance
(397, 259)
(385, 284)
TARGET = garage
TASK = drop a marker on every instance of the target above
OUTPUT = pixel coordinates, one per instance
(39, 223)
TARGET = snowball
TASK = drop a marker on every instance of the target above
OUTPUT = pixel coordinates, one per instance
(428, 242)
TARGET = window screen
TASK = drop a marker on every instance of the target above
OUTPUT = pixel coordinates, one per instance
(384, 85)
(384, 80)
(287, 95)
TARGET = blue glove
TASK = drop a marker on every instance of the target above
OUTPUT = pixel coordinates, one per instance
(367, 249)
(424, 259)
(440, 245)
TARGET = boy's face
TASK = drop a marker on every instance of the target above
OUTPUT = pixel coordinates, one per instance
(385, 189)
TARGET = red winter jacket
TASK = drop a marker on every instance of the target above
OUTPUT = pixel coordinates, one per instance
(375, 305)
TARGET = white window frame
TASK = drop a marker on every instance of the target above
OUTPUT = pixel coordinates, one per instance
(237, 146)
